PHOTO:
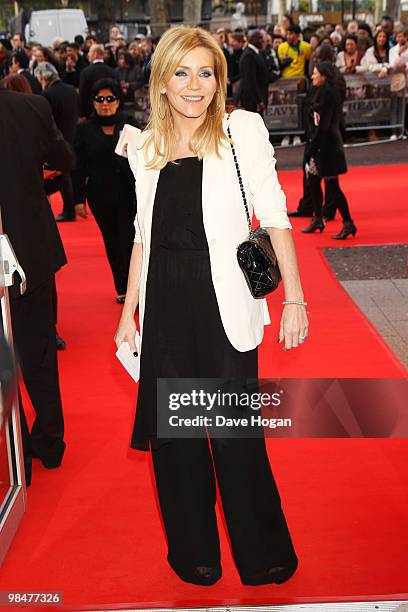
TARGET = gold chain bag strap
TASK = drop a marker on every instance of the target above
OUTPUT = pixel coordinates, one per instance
(256, 256)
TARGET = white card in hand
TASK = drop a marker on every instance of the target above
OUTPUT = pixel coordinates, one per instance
(127, 135)
(128, 360)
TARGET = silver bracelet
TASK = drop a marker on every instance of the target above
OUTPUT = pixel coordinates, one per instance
(295, 302)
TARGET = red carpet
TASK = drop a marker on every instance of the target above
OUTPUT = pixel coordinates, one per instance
(92, 528)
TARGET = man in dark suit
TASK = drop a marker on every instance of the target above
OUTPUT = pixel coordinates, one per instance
(253, 86)
(74, 64)
(89, 75)
(237, 45)
(19, 65)
(63, 100)
(30, 139)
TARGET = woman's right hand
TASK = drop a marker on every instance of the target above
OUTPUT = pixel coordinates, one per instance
(126, 332)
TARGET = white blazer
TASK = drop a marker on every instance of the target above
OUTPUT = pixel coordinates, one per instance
(224, 219)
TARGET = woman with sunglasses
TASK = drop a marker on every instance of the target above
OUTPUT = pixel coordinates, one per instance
(104, 179)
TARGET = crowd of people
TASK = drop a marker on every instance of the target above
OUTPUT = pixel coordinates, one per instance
(128, 62)
(255, 58)
(285, 49)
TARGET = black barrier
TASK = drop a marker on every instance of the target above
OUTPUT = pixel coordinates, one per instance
(283, 114)
(373, 103)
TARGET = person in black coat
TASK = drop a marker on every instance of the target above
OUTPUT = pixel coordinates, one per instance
(253, 70)
(19, 65)
(305, 206)
(89, 76)
(73, 65)
(30, 139)
(324, 152)
(105, 180)
(130, 75)
(63, 99)
(271, 59)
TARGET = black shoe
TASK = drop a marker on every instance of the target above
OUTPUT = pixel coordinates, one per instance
(202, 575)
(298, 213)
(51, 461)
(348, 228)
(273, 575)
(121, 299)
(60, 218)
(206, 575)
(61, 344)
(316, 223)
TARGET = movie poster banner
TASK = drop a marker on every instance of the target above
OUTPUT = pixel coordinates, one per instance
(283, 112)
(369, 100)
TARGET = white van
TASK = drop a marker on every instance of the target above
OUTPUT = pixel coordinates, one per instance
(44, 26)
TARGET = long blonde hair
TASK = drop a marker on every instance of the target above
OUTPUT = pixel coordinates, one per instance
(172, 47)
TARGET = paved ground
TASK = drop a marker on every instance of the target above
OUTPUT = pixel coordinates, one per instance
(290, 158)
(369, 263)
(385, 303)
(375, 277)
(377, 280)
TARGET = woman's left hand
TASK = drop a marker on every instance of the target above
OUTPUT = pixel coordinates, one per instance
(294, 326)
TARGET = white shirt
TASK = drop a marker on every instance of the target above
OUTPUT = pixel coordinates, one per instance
(397, 59)
(253, 48)
(224, 219)
(370, 63)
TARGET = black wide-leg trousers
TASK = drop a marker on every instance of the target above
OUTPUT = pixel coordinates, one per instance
(183, 337)
(186, 471)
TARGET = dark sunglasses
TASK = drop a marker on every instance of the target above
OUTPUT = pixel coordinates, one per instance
(101, 99)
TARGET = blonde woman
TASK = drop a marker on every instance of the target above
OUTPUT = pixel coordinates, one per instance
(197, 316)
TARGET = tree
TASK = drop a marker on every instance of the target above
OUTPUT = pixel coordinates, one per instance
(282, 10)
(158, 17)
(393, 7)
(106, 11)
(378, 11)
(192, 12)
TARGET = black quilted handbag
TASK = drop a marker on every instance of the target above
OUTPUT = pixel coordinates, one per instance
(256, 256)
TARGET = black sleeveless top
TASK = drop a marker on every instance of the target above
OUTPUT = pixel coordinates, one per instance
(177, 221)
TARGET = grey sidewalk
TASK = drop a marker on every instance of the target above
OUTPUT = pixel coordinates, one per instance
(290, 158)
(385, 303)
(376, 278)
